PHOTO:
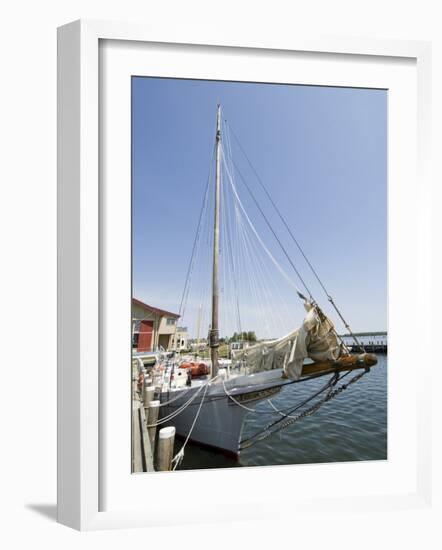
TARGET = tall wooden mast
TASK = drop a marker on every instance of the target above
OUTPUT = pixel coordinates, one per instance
(214, 332)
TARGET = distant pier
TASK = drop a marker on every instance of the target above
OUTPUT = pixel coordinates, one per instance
(372, 342)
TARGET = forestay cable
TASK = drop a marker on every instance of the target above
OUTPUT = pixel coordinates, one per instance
(252, 227)
(283, 220)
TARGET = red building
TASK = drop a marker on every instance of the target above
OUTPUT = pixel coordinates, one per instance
(152, 327)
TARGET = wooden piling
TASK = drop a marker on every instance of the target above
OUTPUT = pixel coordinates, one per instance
(149, 392)
(142, 457)
(137, 460)
(145, 443)
(152, 418)
(166, 439)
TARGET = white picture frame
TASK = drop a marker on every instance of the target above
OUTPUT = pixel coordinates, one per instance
(80, 437)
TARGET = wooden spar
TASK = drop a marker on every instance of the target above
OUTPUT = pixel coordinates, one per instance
(214, 332)
(347, 362)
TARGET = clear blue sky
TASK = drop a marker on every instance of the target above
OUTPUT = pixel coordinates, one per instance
(321, 151)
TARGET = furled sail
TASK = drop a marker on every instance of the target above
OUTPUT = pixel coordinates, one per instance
(315, 339)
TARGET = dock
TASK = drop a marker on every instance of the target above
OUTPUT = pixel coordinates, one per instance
(152, 448)
(372, 342)
(369, 348)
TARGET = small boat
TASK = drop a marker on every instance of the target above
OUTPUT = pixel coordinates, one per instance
(209, 408)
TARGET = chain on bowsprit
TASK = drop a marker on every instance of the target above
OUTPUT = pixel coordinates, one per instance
(332, 392)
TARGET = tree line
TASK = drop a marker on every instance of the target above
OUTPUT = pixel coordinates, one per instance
(249, 336)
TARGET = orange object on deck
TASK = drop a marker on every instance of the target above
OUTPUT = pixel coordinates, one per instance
(196, 369)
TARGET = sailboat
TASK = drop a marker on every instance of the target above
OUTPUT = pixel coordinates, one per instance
(210, 411)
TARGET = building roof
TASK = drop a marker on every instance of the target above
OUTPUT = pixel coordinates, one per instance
(154, 309)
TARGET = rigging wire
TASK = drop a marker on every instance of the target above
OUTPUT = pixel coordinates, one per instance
(230, 267)
(194, 248)
(276, 237)
(256, 287)
(252, 227)
(276, 288)
(229, 228)
(263, 275)
(253, 266)
(283, 220)
(258, 268)
(333, 390)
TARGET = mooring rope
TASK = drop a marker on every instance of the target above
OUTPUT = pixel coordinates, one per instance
(179, 410)
(176, 398)
(178, 458)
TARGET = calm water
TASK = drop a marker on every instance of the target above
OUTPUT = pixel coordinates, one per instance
(352, 426)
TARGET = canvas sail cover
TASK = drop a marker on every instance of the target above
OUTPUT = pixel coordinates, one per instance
(315, 339)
